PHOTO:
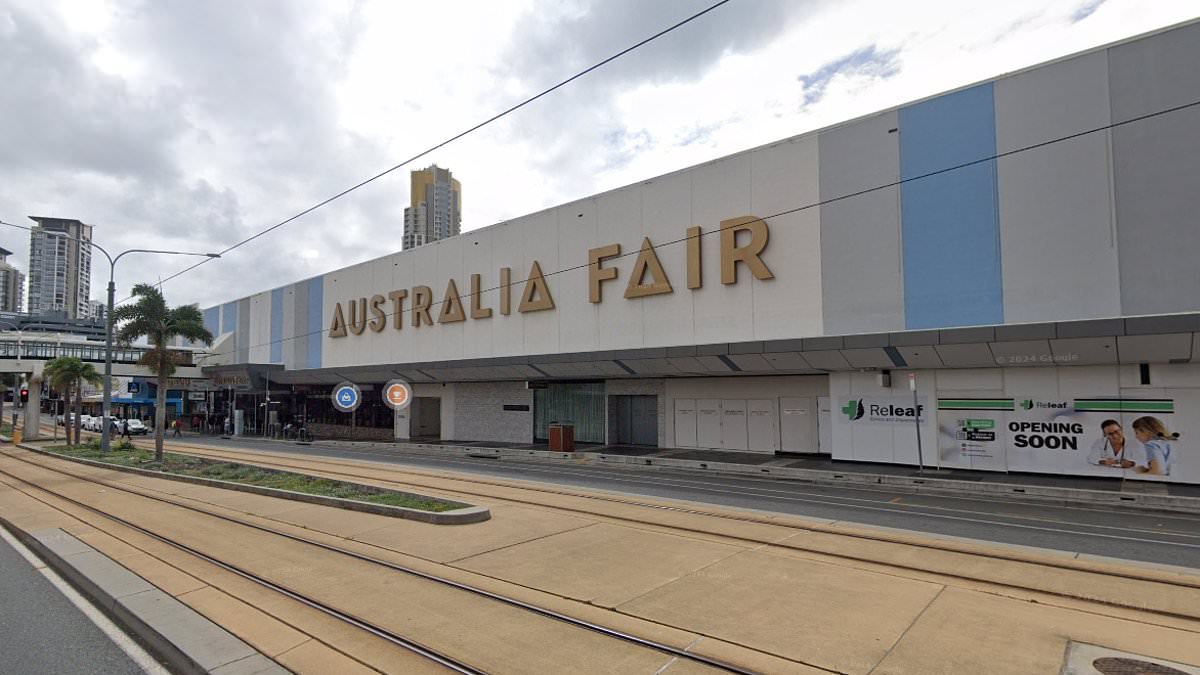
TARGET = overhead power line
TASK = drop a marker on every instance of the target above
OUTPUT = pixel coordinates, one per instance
(805, 207)
(450, 140)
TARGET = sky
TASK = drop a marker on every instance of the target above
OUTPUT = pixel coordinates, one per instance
(188, 125)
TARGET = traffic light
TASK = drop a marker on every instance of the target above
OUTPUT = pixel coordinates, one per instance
(24, 394)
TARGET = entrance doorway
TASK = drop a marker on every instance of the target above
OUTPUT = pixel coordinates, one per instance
(425, 418)
(636, 419)
(577, 403)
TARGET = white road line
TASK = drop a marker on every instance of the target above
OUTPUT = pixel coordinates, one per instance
(132, 649)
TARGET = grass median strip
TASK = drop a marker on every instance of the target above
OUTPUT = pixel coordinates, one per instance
(126, 454)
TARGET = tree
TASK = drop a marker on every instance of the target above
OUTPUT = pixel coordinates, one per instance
(149, 317)
(67, 374)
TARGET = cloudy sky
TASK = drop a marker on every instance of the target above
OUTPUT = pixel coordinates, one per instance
(191, 125)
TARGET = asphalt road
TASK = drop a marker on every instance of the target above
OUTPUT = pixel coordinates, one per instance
(42, 633)
(1170, 539)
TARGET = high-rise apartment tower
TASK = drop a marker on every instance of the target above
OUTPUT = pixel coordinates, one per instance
(12, 284)
(436, 209)
(60, 266)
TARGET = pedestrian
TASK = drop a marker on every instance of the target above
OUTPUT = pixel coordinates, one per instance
(125, 429)
(175, 428)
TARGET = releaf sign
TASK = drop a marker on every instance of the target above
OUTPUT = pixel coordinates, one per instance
(645, 279)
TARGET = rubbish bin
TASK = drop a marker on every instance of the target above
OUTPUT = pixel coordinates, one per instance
(562, 437)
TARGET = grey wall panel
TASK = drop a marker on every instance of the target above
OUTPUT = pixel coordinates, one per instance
(243, 330)
(1059, 252)
(299, 347)
(1157, 171)
(289, 326)
(861, 284)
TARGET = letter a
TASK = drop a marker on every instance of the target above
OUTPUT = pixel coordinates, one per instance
(647, 261)
(536, 296)
(338, 328)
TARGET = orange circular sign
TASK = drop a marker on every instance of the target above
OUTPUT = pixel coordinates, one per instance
(397, 394)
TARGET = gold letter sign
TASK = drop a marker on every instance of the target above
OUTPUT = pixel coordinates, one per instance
(648, 277)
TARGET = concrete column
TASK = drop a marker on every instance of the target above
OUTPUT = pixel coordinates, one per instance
(401, 425)
(33, 408)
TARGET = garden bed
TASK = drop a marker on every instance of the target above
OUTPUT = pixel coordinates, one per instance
(273, 482)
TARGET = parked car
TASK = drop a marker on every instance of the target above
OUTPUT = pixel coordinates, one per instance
(137, 428)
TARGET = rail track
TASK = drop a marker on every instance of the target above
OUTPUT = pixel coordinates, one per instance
(592, 504)
(439, 657)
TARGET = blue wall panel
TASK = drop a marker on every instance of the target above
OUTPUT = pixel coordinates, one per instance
(212, 320)
(316, 301)
(277, 325)
(950, 225)
(229, 320)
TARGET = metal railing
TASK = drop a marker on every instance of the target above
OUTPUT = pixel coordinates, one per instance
(24, 349)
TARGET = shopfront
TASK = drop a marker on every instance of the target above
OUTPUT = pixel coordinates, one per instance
(1003, 242)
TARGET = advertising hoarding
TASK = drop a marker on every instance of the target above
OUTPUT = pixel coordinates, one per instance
(1126, 438)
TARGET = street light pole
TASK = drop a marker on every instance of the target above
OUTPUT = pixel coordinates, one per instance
(105, 432)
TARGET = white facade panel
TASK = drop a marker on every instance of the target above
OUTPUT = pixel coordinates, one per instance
(450, 338)
(477, 259)
(734, 425)
(577, 323)
(762, 431)
(668, 320)
(721, 190)
(709, 393)
(708, 423)
(540, 232)
(685, 422)
(616, 322)
(508, 250)
(786, 176)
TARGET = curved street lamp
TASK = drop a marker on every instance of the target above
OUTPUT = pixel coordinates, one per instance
(106, 431)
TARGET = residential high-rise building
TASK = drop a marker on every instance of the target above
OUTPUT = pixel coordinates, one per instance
(60, 266)
(12, 284)
(97, 309)
(436, 209)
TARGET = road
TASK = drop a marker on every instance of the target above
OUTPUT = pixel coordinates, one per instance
(41, 632)
(1162, 538)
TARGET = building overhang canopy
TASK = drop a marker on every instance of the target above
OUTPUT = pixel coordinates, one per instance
(1154, 339)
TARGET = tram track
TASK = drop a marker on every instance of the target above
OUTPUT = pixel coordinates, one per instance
(449, 662)
(1044, 572)
(337, 468)
(792, 492)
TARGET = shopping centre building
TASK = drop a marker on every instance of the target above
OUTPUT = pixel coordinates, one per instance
(1027, 249)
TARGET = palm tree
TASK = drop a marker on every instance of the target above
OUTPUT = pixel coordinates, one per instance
(150, 318)
(67, 374)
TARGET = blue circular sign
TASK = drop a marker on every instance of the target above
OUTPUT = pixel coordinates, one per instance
(347, 397)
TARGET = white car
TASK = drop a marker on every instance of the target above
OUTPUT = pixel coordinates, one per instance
(136, 427)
